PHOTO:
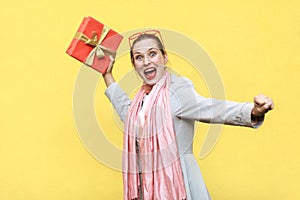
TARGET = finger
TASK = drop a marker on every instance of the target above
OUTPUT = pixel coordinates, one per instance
(112, 59)
(266, 107)
(110, 66)
(271, 104)
(260, 100)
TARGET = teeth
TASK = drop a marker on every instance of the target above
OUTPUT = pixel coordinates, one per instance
(149, 70)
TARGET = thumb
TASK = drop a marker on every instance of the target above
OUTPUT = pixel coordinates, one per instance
(111, 64)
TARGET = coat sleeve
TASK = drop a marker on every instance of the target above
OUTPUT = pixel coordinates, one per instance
(119, 99)
(188, 104)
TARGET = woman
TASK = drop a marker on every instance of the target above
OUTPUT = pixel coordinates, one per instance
(158, 161)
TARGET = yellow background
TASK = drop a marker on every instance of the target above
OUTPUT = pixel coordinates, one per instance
(254, 44)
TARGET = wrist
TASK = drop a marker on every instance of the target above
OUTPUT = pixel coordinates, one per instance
(108, 78)
(256, 118)
(107, 74)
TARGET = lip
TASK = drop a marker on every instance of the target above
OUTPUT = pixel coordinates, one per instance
(150, 73)
(149, 69)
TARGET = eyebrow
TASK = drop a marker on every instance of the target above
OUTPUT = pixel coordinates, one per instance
(137, 52)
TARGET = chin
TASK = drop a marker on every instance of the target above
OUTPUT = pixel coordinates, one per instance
(152, 81)
(149, 83)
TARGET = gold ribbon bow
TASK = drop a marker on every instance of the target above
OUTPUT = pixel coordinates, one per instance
(99, 50)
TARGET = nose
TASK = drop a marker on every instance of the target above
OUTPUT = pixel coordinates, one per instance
(146, 60)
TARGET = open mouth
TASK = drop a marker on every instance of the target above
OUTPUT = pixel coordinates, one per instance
(150, 73)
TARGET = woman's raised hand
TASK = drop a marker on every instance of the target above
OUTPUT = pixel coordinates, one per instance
(262, 104)
(108, 77)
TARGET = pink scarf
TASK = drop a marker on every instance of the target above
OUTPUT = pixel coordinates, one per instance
(158, 155)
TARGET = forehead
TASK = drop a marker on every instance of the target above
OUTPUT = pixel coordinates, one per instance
(144, 45)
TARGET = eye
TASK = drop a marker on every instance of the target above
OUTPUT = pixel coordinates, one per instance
(138, 57)
(152, 54)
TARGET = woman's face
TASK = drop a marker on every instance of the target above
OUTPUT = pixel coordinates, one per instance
(148, 60)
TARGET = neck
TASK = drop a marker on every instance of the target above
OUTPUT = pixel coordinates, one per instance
(147, 88)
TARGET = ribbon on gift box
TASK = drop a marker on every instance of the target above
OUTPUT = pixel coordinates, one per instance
(99, 50)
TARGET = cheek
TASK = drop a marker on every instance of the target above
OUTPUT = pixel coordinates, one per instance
(160, 59)
(161, 69)
(138, 68)
(136, 65)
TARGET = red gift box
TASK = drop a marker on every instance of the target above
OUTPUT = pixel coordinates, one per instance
(94, 43)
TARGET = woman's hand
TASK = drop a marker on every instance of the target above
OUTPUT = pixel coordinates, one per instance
(262, 104)
(108, 77)
(111, 64)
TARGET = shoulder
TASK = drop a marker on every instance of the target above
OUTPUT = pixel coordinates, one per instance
(181, 88)
(180, 82)
(182, 95)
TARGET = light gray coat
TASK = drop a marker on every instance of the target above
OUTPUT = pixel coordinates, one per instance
(187, 107)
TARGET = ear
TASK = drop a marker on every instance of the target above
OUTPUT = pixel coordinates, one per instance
(165, 59)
